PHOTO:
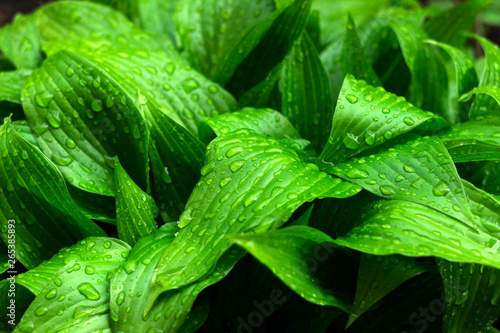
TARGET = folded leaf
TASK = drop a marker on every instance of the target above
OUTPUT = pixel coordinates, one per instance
(264, 45)
(420, 171)
(264, 181)
(10, 85)
(265, 122)
(293, 254)
(485, 208)
(34, 196)
(135, 209)
(82, 118)
(19, 41)
(366, 117)
(307, 99)
(491, 91)
(474, 140)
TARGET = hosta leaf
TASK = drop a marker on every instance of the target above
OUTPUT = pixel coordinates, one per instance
(94, 206)
(420, 171)
(263, 182)
(82, 119)
(450, 26)
(485, 208)
(176, 160)
(90, 251)
(293, 254)
(472, 296)
(465, 73)
(352, 58)
(266, 94)
(171, 309)
(208, 30)
(19, 41)
(75, 299)
(403, 227)
(491, 77)
(10, 85)
(378, 276)
(35, 196)
(490, 91)
(265, 122)
(69, 21)
(331, 59)
(184, 94)
(135, 209)
(474, 140)
(264, 45)
(307, 99)
(366, 117)
(24, 130)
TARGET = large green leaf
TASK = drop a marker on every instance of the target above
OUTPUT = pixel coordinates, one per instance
(34, 196)
(465, 75)
(265, 122)
(67, 22)
(485, 208)
(420, 171)
(176, 160)
(293, 254)
(82, 118)
(366, 117)
(208, 30)
(264, 45)
(19, 41)
(487, 91)
(10, 85)
(249, 182)
(403, 227)
(75, 299)
(474, 140)
(450, 26)
(484, 105)
(135, 209)
(378, 276)
(472, 296)
(24, 130)
(307, 99)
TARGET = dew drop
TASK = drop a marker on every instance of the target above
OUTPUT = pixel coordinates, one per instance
(351, 98)
(89, 291)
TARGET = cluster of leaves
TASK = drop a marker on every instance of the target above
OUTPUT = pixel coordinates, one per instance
(148, 145)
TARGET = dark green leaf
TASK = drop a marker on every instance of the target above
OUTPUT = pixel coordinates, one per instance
(474, 140)
(135, 209)
(35, 198)
(263, 182)
(94, 206)
(10, 85)
(450, 26)
(265, 122)
(293, 254)
(264, 45)
(82, 119)
(366, 117)
(19, 41)
(307, 99)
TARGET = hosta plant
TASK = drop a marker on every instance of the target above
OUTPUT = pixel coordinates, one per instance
(250, 166)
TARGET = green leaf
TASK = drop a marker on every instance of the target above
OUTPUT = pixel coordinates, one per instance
(35, 197)
(19, 41)
(209, 30)
(491, 91)
(10, 85)
(472, 296)
(265, 122)
(377, 277)
(410, 229)
(263, 182)
(450, 26)
(307, 100)
(485, 208)
(264, 45)
(293, 254)
(24, 130)
(75, 299)
(5, 255)
(420, 171)
(466, 77)
(67, 22)
(82, 118)
(366, 117)
(135, 209)
(94, 206)
(176, 160)
(353, 60)
(266, 94)
(491, 77)
(23, 298)
(474, 140)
